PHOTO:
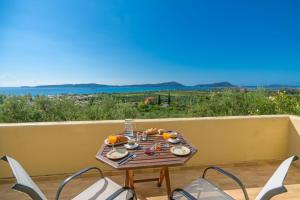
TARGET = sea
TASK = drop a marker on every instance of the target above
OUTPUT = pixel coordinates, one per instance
(48, 91)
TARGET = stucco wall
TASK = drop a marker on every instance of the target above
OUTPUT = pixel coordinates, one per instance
(294, 138)
(57, 148)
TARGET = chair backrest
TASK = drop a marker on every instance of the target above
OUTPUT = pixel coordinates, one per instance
(24, 182)
(275, 186)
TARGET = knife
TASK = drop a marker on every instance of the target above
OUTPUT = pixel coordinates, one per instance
(122, 160)
(130, 158)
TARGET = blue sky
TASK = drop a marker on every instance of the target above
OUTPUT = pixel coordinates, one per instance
(126, 42)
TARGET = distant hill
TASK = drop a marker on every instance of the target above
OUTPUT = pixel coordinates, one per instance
(154, 85)
(217, 85)
(73, 85)
(173, 84)
(164, 84)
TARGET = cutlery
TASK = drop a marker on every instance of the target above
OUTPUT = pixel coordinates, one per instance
(129, 155)
(129, 158)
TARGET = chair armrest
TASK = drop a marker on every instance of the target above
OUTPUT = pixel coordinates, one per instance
(183, 192)
(121, 190)
(67, 180)
(222, 171)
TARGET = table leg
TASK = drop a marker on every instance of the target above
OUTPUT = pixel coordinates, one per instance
(164, 174)
(167, 177)
(131, 179)
(126, 184)
(161, 177)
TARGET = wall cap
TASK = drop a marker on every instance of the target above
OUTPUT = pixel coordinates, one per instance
(146, 120)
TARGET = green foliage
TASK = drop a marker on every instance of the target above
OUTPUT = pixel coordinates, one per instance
(110, 108)
(2, 98)
(121, 106)
(16, 109)
(159, 100)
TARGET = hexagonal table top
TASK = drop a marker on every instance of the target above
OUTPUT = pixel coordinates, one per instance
(162, 158)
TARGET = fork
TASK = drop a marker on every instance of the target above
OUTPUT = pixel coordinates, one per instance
(130, 158)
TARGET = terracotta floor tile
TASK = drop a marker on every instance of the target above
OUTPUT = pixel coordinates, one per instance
(253, 175)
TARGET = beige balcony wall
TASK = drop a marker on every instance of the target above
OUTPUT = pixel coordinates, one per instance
(65, 147)
(294, 137)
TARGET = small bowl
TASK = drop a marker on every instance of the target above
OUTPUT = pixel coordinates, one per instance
(173, 136)
(127, 146)
(131, 142)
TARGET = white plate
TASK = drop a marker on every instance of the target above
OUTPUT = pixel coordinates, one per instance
(108, 144)
(115, 154)
(180, 150)
(174, 141)
(131, 146)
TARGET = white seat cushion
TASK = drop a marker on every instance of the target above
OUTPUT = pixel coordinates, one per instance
(101, 190)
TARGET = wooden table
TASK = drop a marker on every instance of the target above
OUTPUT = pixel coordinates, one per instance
(160, 159)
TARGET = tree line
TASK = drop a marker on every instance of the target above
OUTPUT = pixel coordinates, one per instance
(174, 104)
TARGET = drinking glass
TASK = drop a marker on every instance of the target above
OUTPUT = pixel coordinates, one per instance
(129, 126)
(138, 136)
(166, 136)
(144, 136)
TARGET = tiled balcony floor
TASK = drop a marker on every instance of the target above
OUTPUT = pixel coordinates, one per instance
(253, 175)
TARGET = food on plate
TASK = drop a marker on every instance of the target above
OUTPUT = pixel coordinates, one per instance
(113, 139)
(151, 131)
(154, 131)
(161, 131)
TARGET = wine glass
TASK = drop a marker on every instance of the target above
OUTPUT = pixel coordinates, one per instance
(166, 136)
(112, 139)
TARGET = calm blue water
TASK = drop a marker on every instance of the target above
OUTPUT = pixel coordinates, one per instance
(93, 90)
(81, 90)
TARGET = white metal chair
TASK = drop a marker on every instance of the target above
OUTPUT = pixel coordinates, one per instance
(103, 189)
(203, 189)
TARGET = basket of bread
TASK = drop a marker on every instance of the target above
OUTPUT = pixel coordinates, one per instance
(154, 131)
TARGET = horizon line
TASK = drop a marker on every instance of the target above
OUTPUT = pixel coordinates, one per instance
(138, 84)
